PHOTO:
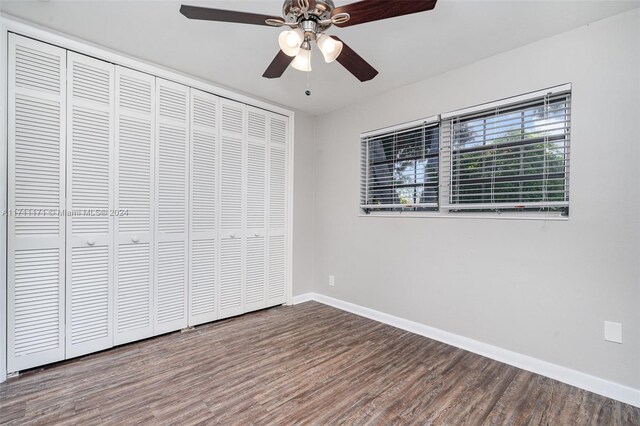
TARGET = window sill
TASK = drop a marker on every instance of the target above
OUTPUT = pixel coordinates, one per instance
(457, 215)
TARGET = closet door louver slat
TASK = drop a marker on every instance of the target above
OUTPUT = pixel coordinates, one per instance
(90, 152)
(133, 274)
(36, 180)
(232, 207)
(172, 189)
(203, 278)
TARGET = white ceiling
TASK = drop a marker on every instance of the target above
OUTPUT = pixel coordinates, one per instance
(404, 49)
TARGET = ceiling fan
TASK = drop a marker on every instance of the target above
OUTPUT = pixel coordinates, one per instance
(307, 21)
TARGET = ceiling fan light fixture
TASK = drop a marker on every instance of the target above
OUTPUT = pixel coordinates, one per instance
(302, 61)
(290, 41)
(329, 47)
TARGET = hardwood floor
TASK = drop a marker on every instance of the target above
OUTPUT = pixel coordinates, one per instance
(306, 364)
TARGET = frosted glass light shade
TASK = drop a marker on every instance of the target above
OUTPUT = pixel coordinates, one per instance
(290, 41)
(329, 47)
(302, 62)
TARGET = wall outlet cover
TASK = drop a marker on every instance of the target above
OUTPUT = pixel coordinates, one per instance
(613, 331)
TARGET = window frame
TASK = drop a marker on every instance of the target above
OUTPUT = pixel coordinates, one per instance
(492, 211)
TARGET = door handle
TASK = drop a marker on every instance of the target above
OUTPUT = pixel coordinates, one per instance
(91, 241)
(135, 239)
(232, 235)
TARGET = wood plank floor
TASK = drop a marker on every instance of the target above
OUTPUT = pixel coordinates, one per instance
(305, 364)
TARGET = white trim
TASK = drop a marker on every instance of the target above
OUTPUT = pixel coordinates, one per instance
(397, 206)
(506, 101)
(434, 119)
(498, 206)
(528, 215)
(301, 298)
(289, 155)
(3, 200)
(566, 375)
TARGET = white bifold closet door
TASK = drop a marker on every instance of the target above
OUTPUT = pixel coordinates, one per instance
(203, 238)
(172, 194)
(133, 259)
(277, 210)
(36, 184)
(90, 154)
(255, 294)
(232, 207)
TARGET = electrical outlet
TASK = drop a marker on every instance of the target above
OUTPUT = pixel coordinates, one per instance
(332, 281)
(613, 331)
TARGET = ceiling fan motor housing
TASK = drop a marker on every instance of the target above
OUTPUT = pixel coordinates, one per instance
(319, 11)
(310, 28)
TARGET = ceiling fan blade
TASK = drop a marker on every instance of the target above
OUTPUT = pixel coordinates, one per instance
(365, 11)
(354, 63)
(278, 66)
(208, 14)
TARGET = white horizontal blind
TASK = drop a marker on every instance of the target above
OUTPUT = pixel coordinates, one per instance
(399, 169)
(514, 155)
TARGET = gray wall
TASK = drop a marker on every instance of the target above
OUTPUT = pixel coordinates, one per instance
(540, 288)
(303, 203)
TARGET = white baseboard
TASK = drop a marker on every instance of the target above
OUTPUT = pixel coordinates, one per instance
(566, 375)
(301, 298)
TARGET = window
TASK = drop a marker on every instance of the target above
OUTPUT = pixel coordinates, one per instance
(511, 156)
(506, 156)
(399, 168)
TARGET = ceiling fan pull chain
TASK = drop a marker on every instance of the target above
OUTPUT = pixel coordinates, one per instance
(308, 91)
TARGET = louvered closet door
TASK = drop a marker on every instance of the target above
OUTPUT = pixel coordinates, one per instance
(133, 273)
(232, 207)
(90, 148)
(172, 181)
(255, 294)
(35, 251)
(277, 211)
(203, 272)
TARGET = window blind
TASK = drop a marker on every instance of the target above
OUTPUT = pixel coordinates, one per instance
(511, 155)
(399, 168)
